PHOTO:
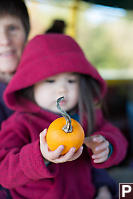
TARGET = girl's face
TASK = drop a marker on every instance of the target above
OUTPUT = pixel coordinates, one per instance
(48, 91)
(12, 40)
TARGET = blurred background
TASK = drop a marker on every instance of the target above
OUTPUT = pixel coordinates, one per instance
(105, 33)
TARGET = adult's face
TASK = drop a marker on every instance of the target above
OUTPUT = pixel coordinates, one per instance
(12, 41)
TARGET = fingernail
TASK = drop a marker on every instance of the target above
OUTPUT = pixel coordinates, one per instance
(81, 148)
(97, 148)
(95, 140)
(61, 147)
(73, 149)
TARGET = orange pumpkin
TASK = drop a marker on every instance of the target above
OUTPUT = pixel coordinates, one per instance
(64, 131)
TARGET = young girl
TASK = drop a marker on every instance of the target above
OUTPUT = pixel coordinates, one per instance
(53, 66)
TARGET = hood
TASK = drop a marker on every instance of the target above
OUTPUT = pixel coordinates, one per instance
(44, 56)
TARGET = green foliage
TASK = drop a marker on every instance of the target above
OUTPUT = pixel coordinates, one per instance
(100, 50)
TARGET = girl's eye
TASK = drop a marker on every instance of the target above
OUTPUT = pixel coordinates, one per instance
(72, 81)
(50, 81)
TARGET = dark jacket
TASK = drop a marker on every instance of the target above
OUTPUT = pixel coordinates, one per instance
(5, 112)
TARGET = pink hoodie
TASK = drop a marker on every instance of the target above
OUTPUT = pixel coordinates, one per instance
(22, 167)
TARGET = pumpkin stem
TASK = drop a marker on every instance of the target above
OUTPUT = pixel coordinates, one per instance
(68, 127)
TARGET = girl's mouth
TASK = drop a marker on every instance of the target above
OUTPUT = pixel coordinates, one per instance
(63, 102)
(7, 53)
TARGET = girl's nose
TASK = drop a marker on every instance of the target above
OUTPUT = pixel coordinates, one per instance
(4, 38)
(62, 89)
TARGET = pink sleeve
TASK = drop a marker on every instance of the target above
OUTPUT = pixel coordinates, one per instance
(115, 137)
(20, 162)
(32, 162)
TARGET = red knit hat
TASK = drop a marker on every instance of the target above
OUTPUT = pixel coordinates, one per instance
(47, 55)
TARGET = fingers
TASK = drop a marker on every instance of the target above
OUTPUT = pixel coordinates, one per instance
(102, 146)
(47, 154)
(70, 155)
(98, 138)
(77, 154)
(43, 143)
(101, 157)
(42, 136)
(100, 160)
(66, 157)
(93, 141)
(87, 140)
(101, 149)
(55, 154)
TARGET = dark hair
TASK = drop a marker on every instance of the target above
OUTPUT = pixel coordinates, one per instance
(16, 8)
(26, 93)
(58, 26)
(89, 98)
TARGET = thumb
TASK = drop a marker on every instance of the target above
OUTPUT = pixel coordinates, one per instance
(43, 134)
(90, 143)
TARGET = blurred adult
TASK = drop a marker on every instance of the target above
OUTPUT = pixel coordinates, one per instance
(14, 30)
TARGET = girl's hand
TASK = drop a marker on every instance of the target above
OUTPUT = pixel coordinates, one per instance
(99, 146)
(55, 156)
